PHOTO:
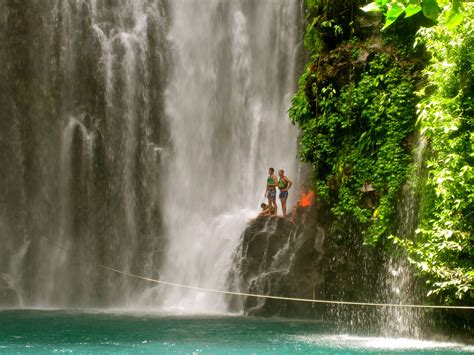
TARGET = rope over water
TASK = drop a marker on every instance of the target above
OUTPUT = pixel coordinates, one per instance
(243, 294)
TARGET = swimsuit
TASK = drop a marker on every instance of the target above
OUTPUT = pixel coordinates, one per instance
(271, 194)
(282, 184)
(271, 191)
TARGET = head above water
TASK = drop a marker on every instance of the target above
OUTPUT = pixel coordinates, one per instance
(271, 171)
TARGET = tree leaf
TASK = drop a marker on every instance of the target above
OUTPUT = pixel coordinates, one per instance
(411, 10)
(392, 15)
(454, 19)
(394, 12)
(430, 9)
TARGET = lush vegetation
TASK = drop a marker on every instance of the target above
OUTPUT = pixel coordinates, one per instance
(443, 248)
(360, 115)
(356, 107)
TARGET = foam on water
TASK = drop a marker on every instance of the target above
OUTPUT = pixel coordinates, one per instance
(345, 341)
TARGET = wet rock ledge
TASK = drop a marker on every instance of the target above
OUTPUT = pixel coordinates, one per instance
(279, 258)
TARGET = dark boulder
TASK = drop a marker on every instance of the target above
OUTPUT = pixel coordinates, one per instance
(279, 258)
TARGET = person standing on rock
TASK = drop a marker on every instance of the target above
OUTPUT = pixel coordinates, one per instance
(270, 191)
(284, 184)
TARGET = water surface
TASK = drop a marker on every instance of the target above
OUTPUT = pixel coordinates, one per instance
(40, 331)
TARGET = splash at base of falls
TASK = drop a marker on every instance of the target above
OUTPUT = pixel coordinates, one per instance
(214, 241)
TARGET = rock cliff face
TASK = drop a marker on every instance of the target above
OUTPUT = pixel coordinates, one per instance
(279, 258)
(321, 259)
(314, 261)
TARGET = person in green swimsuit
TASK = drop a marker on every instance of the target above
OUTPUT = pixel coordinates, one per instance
(284, 184)
(270, 191)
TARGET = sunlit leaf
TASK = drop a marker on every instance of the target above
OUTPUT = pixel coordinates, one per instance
(411, 10)
(431, 9)
(392, 15)
(454, 19)
(394, 12)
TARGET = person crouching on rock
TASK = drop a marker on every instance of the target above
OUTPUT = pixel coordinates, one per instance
(270, 191)
(284, 184)
(267, 210)
(303, 205)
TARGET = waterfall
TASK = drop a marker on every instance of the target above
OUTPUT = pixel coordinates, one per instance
(82, 130)
(399, 284)
(230, 85)
(138, 134)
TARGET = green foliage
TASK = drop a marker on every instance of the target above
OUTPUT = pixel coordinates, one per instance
(356, 132)
(443, 249)
(443, 11)
(356, 138)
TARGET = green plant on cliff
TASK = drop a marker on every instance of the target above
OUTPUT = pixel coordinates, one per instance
(356, 139)
(357, 133)
(355, 130)
(447, 12)
(443, 249)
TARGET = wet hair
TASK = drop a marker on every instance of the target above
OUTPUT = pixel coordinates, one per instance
(263, 205)
(272, 170)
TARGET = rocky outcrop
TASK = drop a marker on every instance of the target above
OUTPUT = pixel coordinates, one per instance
(312, 261)
(279, 258)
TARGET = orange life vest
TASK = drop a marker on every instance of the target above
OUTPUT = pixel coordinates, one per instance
(305, 199)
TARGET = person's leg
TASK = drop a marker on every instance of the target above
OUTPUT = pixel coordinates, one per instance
(275, 205)
(274, 202)
(271, 195)
(283, 206)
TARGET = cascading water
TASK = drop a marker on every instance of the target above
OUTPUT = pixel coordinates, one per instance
(233, 76)
(82, 131)
(131, 126)
(400, 286)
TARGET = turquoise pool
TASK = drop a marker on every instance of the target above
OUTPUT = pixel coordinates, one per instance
(48, 331)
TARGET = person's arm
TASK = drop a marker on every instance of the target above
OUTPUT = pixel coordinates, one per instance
(290, 183)
(275, 181)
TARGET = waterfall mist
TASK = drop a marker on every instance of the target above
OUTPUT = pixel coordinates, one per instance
(82, 123)
(137, 134)
(230, 86)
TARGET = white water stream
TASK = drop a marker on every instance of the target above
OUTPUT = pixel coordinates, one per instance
(232, 78)
(142, 143)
